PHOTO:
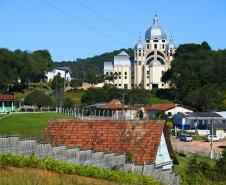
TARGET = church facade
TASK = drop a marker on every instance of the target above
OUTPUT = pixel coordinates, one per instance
(151, 59)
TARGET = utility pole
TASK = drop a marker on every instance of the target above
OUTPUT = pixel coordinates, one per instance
(123, 112)
(211, 142)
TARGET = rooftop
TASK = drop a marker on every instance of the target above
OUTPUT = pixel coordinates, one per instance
(6, 97)
(140, 138)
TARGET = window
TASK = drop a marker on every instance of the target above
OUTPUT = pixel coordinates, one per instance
(162, 85)
(119, 85)
(139, 63)
(147, 77)
(119, 73)
(139, 54)
(155, 46)
(147, 46)
(107, 73)
(155, 40)
(132, 85)
(163, 46)
(171, 54)
(162, 72)
(147, 84)
(148, 41)
(155, 86)
(116, 85)
(132, 77)
(163, 40)
(125, 73)
(119, 77)
(125, 77)
(125, 86)
(147, 72)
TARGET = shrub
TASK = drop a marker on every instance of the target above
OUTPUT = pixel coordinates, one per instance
(62, 167)
(39, 99)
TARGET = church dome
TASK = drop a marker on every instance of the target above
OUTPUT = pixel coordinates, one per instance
(155, 31)
(171, 44)
(139, 44)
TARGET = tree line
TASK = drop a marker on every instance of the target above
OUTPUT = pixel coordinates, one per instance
(18, 68)
(197, 77)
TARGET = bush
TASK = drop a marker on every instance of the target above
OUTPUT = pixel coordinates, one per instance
(68, 103)
(62, 167)
(39, 99)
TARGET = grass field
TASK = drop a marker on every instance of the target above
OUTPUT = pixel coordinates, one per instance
(75, 96)
(29, 176)
(184, 162)
(27, 125)
(155, 100)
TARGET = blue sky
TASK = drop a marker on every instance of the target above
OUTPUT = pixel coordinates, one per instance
(33, 24)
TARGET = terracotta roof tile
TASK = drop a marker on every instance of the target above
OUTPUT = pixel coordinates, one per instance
(109, 136)
(161, 107)
(6, 97)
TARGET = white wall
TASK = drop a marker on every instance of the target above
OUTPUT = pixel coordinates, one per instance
(163, 155)
(50, 75)
(177, 109)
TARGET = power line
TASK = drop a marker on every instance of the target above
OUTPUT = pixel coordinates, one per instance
(105, 18)
(84, 23)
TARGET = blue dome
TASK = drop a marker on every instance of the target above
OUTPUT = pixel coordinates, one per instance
(155, 31)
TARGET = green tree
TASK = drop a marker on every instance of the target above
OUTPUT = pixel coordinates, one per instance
(57, 82)
(39, 99)
(68, 103)
(76, 83)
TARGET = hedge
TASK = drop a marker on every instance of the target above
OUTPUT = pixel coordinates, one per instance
(82, 170)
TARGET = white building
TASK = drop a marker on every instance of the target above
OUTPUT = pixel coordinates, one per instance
(151, 59)
(64, 72)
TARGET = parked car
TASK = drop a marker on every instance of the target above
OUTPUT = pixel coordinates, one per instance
(185, 137)
(208, 137)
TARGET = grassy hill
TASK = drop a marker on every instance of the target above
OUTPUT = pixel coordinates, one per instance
(31, 176)
(26, 125)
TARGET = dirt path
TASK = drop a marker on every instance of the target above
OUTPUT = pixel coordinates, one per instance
(202, 146)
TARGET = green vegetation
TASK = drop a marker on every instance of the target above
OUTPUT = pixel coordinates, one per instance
(155, 100)
(39, 99)
(109, 92)
(76, 83)
(91, 69)
(26, 125)
(196, 169)
(24, 66)
(75, 96)
(32, 176)
(87, 171)
(197, 77)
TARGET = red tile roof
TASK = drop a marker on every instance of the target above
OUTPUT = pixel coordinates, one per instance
(113, 104)
(6, 97)
(161, 107)
(109, 136)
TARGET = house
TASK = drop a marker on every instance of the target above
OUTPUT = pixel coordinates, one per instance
(7, 103)
(64, 72)
(169, 109)
(147, 141)
(116, 109)
(202, 122)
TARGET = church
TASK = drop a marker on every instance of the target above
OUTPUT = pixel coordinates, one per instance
(152, 57)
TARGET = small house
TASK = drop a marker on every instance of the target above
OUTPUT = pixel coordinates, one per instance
(7, 103)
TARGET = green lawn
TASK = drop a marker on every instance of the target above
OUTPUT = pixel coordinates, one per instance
(155, 100)
(27, 125)
(75, 96)
(184, 161)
